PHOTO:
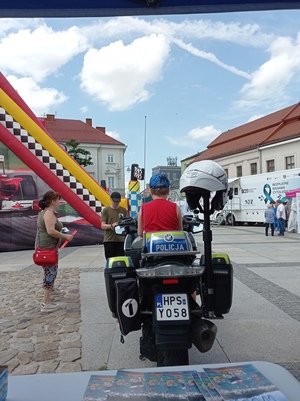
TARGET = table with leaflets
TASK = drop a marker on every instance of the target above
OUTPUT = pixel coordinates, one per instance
(73, 386)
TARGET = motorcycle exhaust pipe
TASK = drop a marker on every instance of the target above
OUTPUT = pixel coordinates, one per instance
(203, 334)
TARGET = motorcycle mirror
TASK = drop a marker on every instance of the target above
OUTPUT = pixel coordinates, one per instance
(120, 230)
(198, 229)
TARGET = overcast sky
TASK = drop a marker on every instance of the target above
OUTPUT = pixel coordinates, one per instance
(176, 81)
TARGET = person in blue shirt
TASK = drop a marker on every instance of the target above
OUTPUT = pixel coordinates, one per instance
(269, 216)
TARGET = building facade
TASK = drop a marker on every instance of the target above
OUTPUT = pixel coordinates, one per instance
(173, 173)
(107, 153)
(187, 161)
(270, 143)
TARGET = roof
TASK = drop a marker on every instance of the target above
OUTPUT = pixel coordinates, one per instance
(63, 130)
(190, 157)
(277, 127)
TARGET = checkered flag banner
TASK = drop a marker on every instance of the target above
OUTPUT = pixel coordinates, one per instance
(138, 173)
(48, 160)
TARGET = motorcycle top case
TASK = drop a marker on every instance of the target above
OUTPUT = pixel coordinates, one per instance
(116, 268)
(166, 243)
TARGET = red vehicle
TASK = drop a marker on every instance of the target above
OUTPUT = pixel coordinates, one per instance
(18, 188)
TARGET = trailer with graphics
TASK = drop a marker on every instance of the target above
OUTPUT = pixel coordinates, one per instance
(249, 196)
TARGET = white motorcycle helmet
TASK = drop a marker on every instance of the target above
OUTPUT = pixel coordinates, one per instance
(200, 178)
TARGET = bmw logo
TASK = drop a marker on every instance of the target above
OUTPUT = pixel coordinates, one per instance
(168, 237)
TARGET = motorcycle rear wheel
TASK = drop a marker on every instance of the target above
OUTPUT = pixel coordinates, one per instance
(172, 357)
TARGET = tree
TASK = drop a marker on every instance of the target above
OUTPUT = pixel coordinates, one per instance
(82, 156)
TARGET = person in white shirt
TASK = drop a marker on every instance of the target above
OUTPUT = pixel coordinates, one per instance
(281, 216)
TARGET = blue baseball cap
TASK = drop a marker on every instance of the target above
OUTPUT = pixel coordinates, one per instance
(159, 181)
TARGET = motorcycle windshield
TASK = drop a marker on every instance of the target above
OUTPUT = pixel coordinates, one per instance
(168, 242)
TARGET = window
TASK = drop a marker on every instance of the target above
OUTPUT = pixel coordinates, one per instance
(226, 171)
(239, 171)
(253, 168)
(235, 191)
(111, 182)
(110, 158)
(289, 162)
(270, 166)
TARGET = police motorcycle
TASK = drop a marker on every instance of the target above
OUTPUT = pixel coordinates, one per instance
(151, 287)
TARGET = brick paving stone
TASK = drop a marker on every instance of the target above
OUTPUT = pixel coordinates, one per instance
(7, 355)
(21, 294)
(48, 367)
(69, 367)
(34, 342)
(30, 369)
(25, 357)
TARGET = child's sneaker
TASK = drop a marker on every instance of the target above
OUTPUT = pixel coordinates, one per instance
(51, 307)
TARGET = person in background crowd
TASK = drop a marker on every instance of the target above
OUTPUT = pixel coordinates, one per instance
(287, 205)
(276, 224)
(269, 219)
(110, 217)
(48, 237)
(159, 214)
(281, 216)
(292, 223)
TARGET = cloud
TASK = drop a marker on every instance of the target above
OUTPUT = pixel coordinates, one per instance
(40, 100)
(40, 52)
(84, 109)
(233, 32)
(118, 74)
(254, 117)
(197, 138)
(14, 24)
(210, 57)
(113, 134)
(191, 29)
(270, 81)
(122, 74)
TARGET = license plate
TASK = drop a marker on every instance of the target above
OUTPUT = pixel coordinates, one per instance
(171, 307)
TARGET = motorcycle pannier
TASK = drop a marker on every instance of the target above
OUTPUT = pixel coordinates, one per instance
(117, 268)
(223, 283)
(127, 305)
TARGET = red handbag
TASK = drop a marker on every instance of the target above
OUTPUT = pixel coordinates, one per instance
(45, 257)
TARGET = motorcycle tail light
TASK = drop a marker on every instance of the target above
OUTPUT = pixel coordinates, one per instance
(170, 281)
